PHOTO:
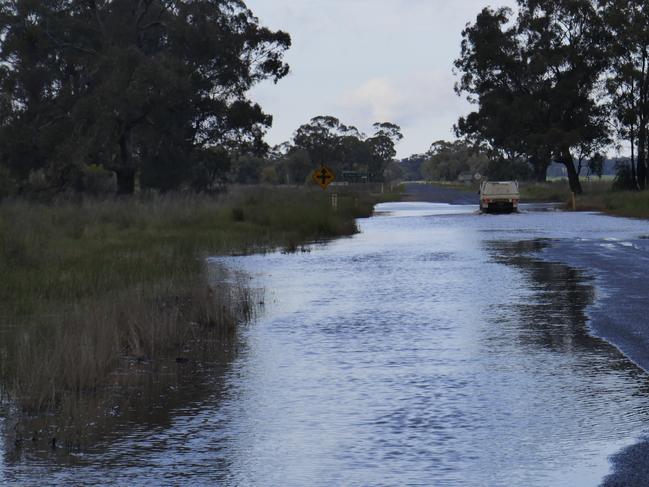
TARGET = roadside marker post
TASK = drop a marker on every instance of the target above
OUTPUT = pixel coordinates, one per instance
(334, 201)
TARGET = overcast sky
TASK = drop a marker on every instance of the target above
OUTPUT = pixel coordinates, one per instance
(367, 61)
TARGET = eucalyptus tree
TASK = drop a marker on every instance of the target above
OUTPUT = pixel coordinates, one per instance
(627, 22)
(132, 85)
(447, 160)
(382, 147)
(344, 148)
(493, 77)
(534, 79)
(321, 137)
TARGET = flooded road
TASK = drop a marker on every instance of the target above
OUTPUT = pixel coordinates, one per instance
(438, 347)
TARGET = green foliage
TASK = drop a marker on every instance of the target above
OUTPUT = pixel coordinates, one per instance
(134, 87)
(343, 148)
(534, 79)
(393, 172)
(210, 169)
(412, 166)
(98, 181)
(7, 184)
(627, 23)
(297, 165)
(596, 165)
(508, 170)
(247, 169)
(624, 177)
(446, 160)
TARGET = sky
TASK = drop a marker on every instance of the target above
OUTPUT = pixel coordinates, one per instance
(366, 61)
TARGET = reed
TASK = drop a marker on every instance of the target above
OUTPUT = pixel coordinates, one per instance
(89, 288)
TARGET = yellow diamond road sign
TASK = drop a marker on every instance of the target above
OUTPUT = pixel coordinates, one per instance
(323, 176)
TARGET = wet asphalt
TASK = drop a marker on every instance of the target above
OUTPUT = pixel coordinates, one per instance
(620, 316)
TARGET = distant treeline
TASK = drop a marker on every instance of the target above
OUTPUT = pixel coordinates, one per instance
(453, 161)
(562, 81)
(352, 155)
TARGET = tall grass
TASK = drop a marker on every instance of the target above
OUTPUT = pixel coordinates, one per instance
(598, 196)
(634, 204)
(88, 288)
(559, 190)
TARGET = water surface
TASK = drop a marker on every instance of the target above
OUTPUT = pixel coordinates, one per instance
(438, 347)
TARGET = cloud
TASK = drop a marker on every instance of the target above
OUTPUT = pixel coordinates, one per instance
(366, 61)
(424, 104)
(377, 99)
(405, 100)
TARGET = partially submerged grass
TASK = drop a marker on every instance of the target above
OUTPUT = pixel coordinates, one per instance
(89, 289)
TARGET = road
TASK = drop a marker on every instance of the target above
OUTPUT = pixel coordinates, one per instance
(439, 194)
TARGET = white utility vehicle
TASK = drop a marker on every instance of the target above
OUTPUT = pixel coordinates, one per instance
(499, 196)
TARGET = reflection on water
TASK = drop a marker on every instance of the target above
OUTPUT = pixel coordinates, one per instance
(435, 348)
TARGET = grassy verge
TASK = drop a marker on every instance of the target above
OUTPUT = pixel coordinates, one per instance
(597, 196)
(471, 187)
(633, 204)
(91, 291)
(559, 191)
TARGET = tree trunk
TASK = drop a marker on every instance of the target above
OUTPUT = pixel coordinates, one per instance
(573, 176)
(633, 165)
(642, 154)
(642, 126)
(126, 171)
(541, 170)
(125, 181)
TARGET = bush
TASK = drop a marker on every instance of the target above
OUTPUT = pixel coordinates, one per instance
(8, 186)
(98, 181)
(624, 177)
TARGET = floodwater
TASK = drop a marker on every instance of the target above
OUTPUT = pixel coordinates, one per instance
(438, 347)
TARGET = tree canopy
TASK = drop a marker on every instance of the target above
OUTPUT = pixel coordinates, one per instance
(150, 87)
(534, 79)
(627, 82)
(344, 148)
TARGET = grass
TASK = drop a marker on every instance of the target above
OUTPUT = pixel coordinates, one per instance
(633, 204)
(90, 289)
(558, 191)
(471, 187)
(598, 196)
